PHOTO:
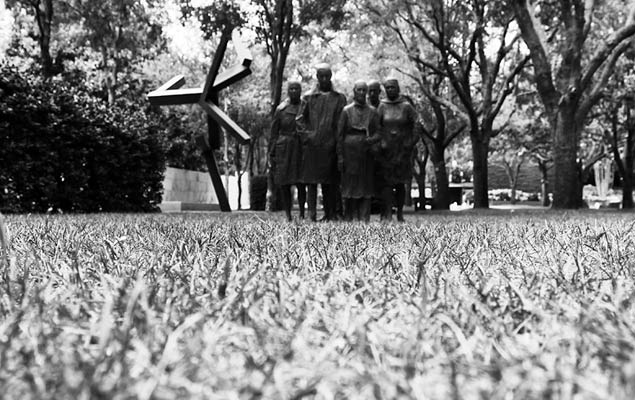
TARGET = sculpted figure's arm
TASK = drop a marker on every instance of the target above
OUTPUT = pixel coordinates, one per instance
(382, 131)
(303, 116)
(374, 128)
(302, 120)
(341, 103)
(342, 128)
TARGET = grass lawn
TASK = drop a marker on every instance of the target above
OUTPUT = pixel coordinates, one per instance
(467, 305)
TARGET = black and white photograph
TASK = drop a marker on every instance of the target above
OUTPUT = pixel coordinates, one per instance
(317, 199)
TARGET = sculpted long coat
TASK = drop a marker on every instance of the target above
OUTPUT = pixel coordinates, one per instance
(286, 149)
(318, 123)
(358, 130)
(397, 120)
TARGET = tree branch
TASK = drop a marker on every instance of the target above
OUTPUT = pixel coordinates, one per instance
(506, 88)
(607, 48)
(534, 36)
(596, 93)
(454, 134)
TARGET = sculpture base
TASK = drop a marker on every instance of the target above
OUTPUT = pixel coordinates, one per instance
(180, 206)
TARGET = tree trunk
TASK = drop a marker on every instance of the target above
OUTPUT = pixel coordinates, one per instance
(259, 168)
(544, 183)
(567, 187)
(442, 195)
(627, 177)
(275, 84)
(480, 148)
(421, 178)
(111, 85)
(239, 174)
(627, 190)
(511, 179)
(111, 75)
(408, 200)
(514, 176)
(44, 18)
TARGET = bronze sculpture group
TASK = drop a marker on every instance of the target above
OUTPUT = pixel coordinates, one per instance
(354, 152)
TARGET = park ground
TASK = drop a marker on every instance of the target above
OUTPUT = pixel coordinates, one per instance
(529, 304)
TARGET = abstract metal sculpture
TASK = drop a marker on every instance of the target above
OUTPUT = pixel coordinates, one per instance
(207, 97)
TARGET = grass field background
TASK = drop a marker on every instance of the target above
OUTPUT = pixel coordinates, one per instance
(207, 306)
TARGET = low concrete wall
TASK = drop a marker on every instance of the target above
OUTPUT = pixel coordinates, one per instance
(184, 189)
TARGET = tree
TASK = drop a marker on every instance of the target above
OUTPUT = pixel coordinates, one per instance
(440, 128)
(620, 135)
(122, 32)
(625, 159)
(573, 56)
(524, 137)
(47, 16)
(617, 113)
(281, 22)
(473, 46)
(541, 153)
(511, 155)
(277, 24)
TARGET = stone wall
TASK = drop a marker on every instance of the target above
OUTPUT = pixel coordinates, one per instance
(184, 187)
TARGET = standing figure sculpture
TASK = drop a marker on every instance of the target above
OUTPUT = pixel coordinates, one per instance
(374, 90)
(358, 131)
(286, 149)
(397, 118)
(317, 123)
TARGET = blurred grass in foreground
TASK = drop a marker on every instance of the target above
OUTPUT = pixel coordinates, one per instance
(532, 306)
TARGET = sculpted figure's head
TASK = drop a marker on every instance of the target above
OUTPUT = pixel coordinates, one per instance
(294, 91)
(391, 86)
(323, 75)
(359, 92)
(374, 90)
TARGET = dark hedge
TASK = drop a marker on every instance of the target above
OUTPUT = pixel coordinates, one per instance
(67, 150)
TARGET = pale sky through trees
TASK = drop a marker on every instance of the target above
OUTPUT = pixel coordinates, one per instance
(6, 25)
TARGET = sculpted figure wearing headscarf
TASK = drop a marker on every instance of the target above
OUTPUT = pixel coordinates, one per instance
(286, 150)
(397, 119)
(318, 125)
(358, 130)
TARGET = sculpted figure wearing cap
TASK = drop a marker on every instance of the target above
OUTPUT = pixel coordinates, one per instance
(286, 150)
(397, 118)
(318, 126)
(358, 130)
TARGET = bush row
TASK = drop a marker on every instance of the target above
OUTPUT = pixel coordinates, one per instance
(66, 149)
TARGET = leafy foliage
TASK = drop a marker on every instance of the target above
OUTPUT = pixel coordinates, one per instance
(216, 17)
(121, 33)
(64, 149)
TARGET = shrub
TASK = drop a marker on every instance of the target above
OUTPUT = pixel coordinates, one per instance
(66, 150)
